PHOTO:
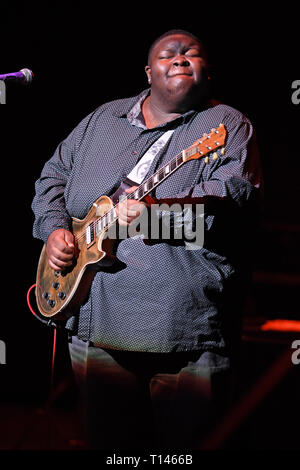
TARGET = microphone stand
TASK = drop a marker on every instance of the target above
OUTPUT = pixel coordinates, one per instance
(2, 92)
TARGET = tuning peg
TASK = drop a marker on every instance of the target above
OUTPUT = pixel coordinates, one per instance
(223, 151)
(206, 159)
(215, 156)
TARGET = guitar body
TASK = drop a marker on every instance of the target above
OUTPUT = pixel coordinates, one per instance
(59, 293)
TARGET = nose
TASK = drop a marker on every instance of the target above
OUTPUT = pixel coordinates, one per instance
(181, 61)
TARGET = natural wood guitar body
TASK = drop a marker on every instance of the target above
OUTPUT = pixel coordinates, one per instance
(58, 291)
(59, 294)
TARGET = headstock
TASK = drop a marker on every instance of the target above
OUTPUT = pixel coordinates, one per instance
(206, 144)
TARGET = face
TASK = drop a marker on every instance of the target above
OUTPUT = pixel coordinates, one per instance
(177, 67)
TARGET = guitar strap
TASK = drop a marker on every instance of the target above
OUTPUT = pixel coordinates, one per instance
(140, 171)
(142, 167)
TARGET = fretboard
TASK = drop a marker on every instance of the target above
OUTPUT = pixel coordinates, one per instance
(202, 147)
(144, 188)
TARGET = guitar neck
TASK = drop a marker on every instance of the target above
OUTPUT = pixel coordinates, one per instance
(157, 178)
(208, 143)
(143, 189)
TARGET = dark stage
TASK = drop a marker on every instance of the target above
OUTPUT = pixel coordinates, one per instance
(83, 56)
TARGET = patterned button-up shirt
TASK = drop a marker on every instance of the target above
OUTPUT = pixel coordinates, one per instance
(168, 297)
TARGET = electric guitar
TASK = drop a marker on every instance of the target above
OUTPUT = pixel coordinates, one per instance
(60, 293)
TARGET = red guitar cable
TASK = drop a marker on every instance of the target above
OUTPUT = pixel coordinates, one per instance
(28, 300)
(49, 323)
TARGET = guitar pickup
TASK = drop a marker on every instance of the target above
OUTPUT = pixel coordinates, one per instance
(90, 234)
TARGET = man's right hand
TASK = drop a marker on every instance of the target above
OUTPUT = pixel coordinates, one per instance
(60, 249)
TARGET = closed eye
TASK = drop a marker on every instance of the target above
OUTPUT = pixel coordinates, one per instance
(193, 53)
(166, 55)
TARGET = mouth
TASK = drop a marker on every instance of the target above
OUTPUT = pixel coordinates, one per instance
(179, 74)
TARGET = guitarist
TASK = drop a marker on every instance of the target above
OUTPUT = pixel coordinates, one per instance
(154, 345)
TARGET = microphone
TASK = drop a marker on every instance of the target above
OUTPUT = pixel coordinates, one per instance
(24, 75)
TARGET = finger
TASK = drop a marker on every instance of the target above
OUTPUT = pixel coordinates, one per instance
(129, 190)
(60, 245)
(54, 266)
(58, 264)
(65, 255)
(63, 240)
(69, 239)
(124, 210)
(68, 249)
(124, 219)
(127, 217)
(132, 205)
(130, 213)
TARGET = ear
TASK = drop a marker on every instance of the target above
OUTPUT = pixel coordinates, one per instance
(148, 73)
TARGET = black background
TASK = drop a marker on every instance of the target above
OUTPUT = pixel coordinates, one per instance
(84, 54)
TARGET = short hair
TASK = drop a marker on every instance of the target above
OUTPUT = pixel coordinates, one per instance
(171, 32)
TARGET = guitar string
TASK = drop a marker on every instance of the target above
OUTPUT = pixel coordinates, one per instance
(160, 172)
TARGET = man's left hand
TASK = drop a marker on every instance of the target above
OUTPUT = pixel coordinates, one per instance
(129, 209)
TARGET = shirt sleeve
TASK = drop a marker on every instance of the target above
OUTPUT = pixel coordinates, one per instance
(49, 204)
(236, 174)
(233, 183)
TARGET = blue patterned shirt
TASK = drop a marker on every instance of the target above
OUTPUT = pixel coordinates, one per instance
(168, 298)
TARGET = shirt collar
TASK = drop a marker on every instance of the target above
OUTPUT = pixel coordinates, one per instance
(134, 113)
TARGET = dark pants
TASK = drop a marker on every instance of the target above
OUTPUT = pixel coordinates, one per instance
(137, 400)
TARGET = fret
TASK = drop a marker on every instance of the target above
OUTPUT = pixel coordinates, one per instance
(106, 220)
(161, 174)
(150, 183)
(173, 164)
(197, 150)
(135, 194)
(179, 159)
(140, 192)
(144, 188)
